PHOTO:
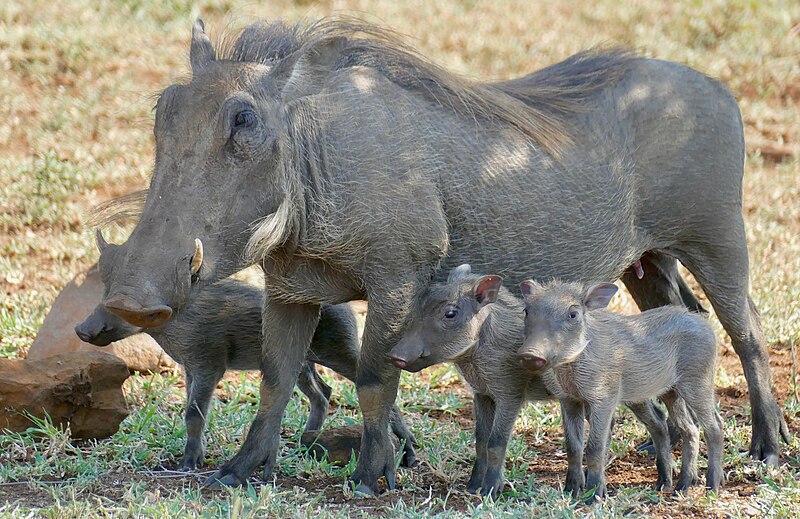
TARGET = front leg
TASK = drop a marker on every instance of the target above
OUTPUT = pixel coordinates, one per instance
(287, 332)
(600, 416)
(318, 394)
(505, 416)
(572, 417)
(200, 385)
(377, 381)
(484, 409)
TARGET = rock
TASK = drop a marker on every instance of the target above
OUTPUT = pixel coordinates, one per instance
(339, 443)
(80, 389)
(75, 302)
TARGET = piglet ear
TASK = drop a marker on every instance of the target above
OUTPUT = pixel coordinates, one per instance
(599, 295)
(487, 288)
(529, 287)
(459, 272)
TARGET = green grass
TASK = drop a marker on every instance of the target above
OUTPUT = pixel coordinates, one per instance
(125, 474)
(76, 91)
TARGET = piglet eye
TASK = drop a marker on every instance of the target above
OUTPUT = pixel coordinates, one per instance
(244, 119)
(451, 313)
(573, 314)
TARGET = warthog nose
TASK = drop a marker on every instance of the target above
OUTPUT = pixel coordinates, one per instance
(134, 313)
(399, 362)
(85, 337)
(531, 362)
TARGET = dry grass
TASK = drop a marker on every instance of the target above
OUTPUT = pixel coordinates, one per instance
(75, 129)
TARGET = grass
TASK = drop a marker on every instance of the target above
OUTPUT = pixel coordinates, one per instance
(75, 129)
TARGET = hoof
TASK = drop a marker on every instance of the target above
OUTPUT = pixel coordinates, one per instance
(218, 480)
(662, 484)
(190, 465)
(771, 460)
(409, 459)
(363, 491)
(647, 447)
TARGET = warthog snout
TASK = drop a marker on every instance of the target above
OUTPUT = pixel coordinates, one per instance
(409, 355)
(398, 361)
(136, 314)
(531, 362)
(84, 335)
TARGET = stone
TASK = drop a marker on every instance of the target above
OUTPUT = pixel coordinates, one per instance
(82, 390)
(75, 302)
(339, 443)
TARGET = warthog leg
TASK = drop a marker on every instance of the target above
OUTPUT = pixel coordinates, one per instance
(200, 385)
(378, 378)
(286, 341)
(318, 394)
(660, 284)
(721, 267)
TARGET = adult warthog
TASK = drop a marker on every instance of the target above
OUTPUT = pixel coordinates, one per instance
(349, 167)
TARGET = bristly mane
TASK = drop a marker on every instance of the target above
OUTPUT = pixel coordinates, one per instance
(534, 104)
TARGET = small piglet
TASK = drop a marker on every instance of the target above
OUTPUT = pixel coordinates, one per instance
(601, 359)
(220, 329)
(474, 322)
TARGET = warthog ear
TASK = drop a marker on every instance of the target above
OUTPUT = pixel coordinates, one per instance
(459, 272)
(529, 287)
(487, 288)
(101, 242)
(311, 69)
(599, 295)
(202, 52)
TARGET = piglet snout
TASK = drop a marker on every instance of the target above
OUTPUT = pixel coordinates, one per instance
(82, 335)
(531, 362)
(397, 361)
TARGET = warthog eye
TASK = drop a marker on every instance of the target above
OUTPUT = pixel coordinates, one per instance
(244, 119)
(573, 314)
(451, 313)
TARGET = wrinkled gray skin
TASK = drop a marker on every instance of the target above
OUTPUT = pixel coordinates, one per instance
(475, 322)
(354, 169)
(220, 329)
(601, 359)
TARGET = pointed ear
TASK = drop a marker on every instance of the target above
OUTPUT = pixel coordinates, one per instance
(599, 295)
(529, 287)
(101, 241)
(312, 68)
(202, 52)
(459, 272)
(487, 288)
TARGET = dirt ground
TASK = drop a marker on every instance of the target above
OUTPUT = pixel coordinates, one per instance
(421, 481)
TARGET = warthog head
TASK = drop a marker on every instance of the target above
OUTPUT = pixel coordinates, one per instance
(555, 331)
(447, 321)
(219, 179)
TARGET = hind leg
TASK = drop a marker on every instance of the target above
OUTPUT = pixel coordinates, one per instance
(699, 399)
(406, 437)
(690, 436)
(654, 422)
(661, 285)
(722, 271)
(318, 394)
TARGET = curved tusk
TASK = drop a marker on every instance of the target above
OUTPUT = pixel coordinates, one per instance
(197, 259)
(101, 242)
